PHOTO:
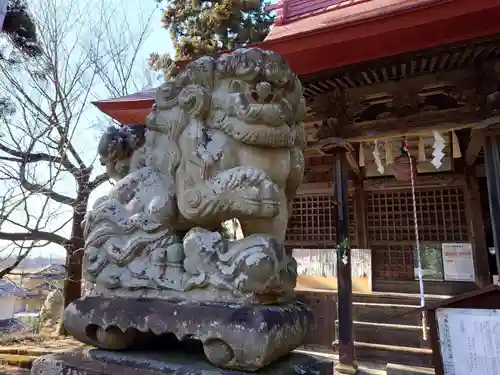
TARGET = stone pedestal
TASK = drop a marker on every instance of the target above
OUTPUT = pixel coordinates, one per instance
(101, 362)
(241, 337)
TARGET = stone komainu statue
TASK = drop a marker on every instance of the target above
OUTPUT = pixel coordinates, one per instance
(225, 139)
(52, 309)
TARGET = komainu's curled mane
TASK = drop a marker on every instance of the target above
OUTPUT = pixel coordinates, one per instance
(232, 133)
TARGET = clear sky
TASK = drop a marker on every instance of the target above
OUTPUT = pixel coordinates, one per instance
(159, 41)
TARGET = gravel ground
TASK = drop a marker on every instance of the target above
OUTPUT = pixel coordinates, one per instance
(9, 370)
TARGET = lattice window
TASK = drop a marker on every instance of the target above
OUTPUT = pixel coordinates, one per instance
(441, 218)
(392, 261)
(312, 223)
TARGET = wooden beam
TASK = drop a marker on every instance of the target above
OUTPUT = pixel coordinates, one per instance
(312, 152)
(480, 130)
(432, 181)
(329, 145)
(394, 129)
(474, 147)
(353, 164)
(487, 124)
(315, 188)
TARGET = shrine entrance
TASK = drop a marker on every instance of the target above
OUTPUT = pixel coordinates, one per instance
(384, 206)
(434, 111)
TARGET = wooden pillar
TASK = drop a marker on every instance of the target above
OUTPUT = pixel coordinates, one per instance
(474, 208)
(362, 240)
(492, 164)
(347, 363)
(476, 224)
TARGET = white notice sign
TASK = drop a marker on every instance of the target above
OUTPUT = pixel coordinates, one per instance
(458, 263)
(468, 340)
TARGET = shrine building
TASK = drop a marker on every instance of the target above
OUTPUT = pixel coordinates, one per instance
(386, 75)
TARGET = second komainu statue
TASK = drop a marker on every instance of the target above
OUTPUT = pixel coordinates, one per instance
(224, 140)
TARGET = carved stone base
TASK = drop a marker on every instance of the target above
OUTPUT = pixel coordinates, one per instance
(243, 337)
(100, 362)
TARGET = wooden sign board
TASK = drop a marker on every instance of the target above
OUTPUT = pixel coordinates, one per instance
(317, 269)
(468, 340)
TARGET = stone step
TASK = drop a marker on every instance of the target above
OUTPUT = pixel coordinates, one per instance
(385, 323)
(15, 360)
(421, 357)
(386, 313)
(364, 368)
(388, 334)
(395, 298)
(395, 369)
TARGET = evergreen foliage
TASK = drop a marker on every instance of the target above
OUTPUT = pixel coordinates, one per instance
(20, 27)
(200, 27)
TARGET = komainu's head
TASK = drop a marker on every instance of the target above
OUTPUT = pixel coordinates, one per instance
(116, 147)
(249, 94)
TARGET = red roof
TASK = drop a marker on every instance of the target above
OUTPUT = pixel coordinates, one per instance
(291, 10)
(319, 35)
(299, 16)
(131, 109)
(354, 31)
(138, 96)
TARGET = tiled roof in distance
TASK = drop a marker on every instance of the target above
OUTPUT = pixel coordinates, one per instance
(9, 288)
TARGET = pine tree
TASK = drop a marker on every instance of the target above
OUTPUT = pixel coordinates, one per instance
(20, 28)
(200, 27)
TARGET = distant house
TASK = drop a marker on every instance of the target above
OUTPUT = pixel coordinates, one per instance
(39, 283)
(50, 271)
(10, 294)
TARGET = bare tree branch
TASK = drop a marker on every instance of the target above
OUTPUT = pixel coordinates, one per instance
(20, 257)
(89, 49)
(49, 193)
(34, 236)
(34, 157)
(98, 181)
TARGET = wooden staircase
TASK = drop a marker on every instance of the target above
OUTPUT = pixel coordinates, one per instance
(385, 328)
